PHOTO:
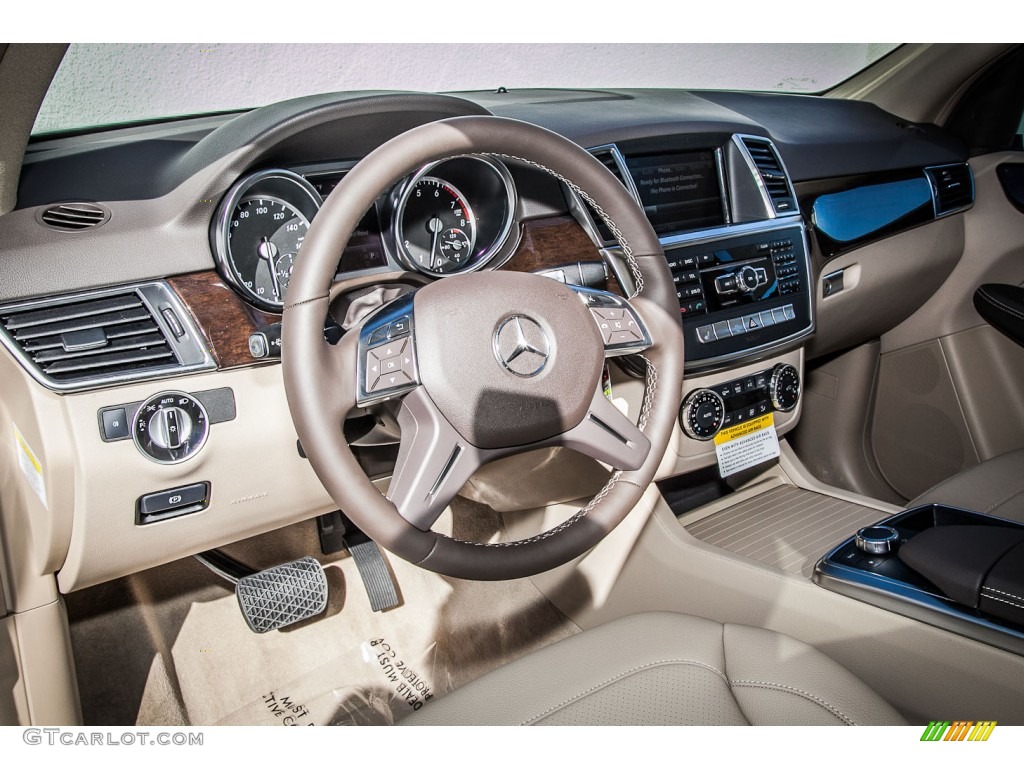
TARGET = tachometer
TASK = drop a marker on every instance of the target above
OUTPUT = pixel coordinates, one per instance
(437, 228)
(259, 231)
(453, 216)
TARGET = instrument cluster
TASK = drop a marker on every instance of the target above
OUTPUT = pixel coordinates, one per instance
(449, 217)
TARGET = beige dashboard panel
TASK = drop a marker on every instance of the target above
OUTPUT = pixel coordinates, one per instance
(885, 282)
(35, 535)
(13, 707)
(259, 481)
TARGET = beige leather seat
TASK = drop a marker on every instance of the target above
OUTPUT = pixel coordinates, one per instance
(995, 487)
(666, 669)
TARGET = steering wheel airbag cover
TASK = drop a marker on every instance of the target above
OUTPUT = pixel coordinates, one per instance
(491, 407)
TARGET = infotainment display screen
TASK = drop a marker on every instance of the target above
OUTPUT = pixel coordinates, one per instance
(679, 191)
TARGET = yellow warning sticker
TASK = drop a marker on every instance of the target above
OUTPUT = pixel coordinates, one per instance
(746, 445)
(746, 428)
(30, 466)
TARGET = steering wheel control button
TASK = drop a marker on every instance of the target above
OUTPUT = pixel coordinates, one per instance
(622, 331)
(175, 502)
(115, 424)
(522, 346)
(400, 327)
(877, 539)
(170, 427)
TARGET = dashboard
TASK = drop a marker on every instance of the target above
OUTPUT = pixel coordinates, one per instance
(146, 268)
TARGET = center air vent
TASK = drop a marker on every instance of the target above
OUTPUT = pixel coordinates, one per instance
(769, 168)
(94, 339)
(74, 217)
(952, 187)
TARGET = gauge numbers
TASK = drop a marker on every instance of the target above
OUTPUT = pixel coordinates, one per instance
(264, 236)
(438, 226)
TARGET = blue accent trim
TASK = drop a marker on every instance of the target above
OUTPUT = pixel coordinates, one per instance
(858, 213)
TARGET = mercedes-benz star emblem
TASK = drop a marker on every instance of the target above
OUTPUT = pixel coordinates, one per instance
(521, 346)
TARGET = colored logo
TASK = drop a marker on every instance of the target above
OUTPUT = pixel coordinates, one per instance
(959, 730)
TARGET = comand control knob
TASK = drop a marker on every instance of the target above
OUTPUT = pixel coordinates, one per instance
(747, 279)
(877, 539)
(170, 427)
(784, 387)
(702, 414)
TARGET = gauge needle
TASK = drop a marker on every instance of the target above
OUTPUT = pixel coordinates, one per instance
(267, 250)
(436, 225)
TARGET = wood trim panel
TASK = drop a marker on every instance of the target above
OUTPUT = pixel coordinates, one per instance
(223, 317)
(226, 320)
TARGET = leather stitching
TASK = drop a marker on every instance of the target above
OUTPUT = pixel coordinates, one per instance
(1005, 499)
(1000, 600)
(622, 675)
(1001, 305)
(627, 251)
(1017, 598)
(305, 301)
(796, 692)
(615, 479)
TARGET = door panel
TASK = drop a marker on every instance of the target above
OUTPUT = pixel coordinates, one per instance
(948, 393)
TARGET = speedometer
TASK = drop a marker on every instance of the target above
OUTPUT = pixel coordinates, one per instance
(264, 236)
(259, 231)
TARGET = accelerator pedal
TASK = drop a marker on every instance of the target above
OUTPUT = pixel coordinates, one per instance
(337, 532)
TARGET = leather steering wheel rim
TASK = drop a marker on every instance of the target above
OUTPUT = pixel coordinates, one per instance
(320, 379)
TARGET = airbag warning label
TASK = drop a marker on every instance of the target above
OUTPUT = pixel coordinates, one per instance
(746, 445)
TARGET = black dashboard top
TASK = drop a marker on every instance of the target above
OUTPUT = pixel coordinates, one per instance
(818, 137)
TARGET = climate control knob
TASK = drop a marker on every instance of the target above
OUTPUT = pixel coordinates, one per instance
(784, 387)
(702, 414)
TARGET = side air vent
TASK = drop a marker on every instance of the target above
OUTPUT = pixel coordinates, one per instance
(610, 158)
(74, 217)
(90, 340)
(769, 167)
(952, 187)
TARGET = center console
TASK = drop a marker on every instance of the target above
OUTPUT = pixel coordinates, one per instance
(948, 567)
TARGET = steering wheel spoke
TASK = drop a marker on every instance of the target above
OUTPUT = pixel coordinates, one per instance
(608, 435)
(434, 461)
(387, 365)
(622, 330)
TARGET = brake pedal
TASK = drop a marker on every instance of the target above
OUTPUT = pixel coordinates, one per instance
(282, 595)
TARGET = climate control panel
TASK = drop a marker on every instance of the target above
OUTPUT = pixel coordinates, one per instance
(708, 410)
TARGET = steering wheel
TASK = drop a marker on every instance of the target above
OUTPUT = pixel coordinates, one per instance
(487, 364)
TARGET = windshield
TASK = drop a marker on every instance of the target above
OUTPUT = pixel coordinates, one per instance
(107, 84)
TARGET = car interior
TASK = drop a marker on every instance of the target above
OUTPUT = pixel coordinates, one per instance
(523, 406)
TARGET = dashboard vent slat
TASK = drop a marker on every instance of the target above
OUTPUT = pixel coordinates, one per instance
(74, 217)
(90, 339)
(952, 187)
(773, 176)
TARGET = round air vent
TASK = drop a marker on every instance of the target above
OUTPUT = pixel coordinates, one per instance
(73, 217)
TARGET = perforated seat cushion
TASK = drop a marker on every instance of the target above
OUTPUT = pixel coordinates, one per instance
(666, 669)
